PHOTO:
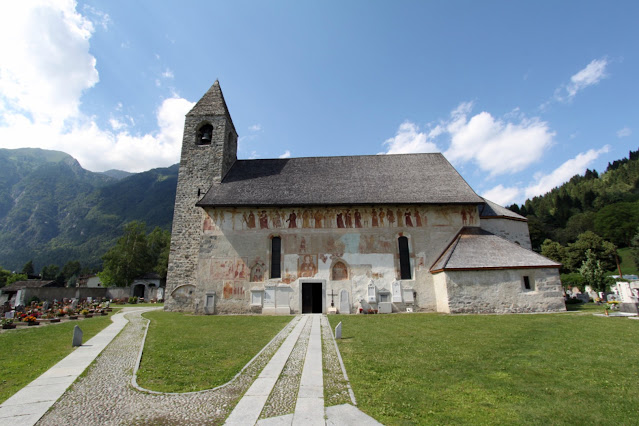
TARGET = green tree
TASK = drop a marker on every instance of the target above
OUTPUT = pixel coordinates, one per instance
(555, 251)
(28, 269)
(159, 244)
(593, 273)
(617, 222)
(71, 268)
(128, 259)
(50, 272)
(604, 251)
(16, 277)
(4, 275)
(634, 248)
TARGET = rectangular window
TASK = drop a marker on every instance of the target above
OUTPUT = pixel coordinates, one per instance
(276, 255)
(527, 282)
(404, 258)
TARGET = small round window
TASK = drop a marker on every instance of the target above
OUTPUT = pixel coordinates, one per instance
(204, 135)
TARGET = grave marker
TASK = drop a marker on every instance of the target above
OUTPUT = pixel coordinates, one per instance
(77, 336)
(338, 331)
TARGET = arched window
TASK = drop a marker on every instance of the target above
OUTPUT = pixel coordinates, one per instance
(276, 256)
(404, 258)
(339, 272)
(204, 135)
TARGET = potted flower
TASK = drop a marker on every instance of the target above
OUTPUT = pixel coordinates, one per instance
(60, 313)
(86, 314)
(31, 320)
(7, 324)
(72, 314)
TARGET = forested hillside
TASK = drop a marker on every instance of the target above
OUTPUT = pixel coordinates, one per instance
(606, 204)
(54, 211)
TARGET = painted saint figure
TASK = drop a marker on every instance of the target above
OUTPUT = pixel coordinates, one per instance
(348, 221)
(308, 268)
(374, 218)
(358, 219)
(292, 220)
(390, 217)
(407, 219)
(340, 221)
(418, 219)
(263, 220)
(318, 219)
(306, 219)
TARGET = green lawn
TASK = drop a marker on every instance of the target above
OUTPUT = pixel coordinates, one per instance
(503, 369)
(187, 353)
(138, 305)
(26, 353)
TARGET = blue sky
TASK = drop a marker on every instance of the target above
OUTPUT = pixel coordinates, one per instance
(519, 96)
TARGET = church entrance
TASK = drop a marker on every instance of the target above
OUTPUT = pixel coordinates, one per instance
(311, 298)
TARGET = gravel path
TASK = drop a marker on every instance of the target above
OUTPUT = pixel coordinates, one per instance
(104, 395)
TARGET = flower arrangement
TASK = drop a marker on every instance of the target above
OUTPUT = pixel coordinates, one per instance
(7, 321)
(30, 318)
(84, 312)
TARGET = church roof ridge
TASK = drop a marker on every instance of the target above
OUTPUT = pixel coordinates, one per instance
(347, 180)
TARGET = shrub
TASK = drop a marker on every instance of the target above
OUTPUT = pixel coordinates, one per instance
(133, 300)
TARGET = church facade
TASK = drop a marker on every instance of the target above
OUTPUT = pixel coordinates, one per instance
(357, 234)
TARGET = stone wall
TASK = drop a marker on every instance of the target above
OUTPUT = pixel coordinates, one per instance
(502, 291)
(343, 247)
(200, 166)
(512, 230)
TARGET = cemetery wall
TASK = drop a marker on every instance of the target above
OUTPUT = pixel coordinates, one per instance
(342, 247)
(59, 293)
(502, 291)
(512, 230)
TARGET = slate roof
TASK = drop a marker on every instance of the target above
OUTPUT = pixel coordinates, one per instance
(212, 103)
(475, 248)
(18, 285)
(366, 179)
(493, 210)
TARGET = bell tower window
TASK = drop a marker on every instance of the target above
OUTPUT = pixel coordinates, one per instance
(204, 135)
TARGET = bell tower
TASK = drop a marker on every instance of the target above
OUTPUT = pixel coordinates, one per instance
(209, 149)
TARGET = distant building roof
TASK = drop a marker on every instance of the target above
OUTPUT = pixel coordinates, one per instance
(353, 180)
(492, 210)
(19, 285)
(475, 248)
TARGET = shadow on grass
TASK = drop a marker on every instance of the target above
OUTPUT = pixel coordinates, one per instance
(585, 307)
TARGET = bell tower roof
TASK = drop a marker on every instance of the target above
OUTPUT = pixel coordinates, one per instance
(212, 103)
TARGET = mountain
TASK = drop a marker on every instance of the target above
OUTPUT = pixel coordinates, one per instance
(606, 203)
(53, 211)
(118, 174)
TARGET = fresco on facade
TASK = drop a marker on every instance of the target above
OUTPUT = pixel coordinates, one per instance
(233, 290)
(339, 272)
(341, 218)
(257, 272)
(307, 266)
(229, 269)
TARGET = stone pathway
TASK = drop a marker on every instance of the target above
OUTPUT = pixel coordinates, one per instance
(283, 385)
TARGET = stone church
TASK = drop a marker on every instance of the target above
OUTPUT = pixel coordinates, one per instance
(355, 234)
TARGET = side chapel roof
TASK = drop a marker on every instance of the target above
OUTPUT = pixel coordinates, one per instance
(351, 180)
(490, 210)
(475, 248)
(18, 285)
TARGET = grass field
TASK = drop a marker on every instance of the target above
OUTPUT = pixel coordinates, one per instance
(187, 353)
(626, 262)
(26, 353)
(567, 368)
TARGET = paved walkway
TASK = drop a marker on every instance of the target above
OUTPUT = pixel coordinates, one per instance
(27, 405)
(283, 385)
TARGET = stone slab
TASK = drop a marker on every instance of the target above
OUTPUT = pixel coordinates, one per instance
(286, 420)
(346, 414)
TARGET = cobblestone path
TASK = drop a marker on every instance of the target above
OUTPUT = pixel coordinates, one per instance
(104, 394)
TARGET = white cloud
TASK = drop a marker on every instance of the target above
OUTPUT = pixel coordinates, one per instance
(286, 154)
(43, 74)
(564, 172)
(47, 65)
(167, 74)
(502, 195)
(255, 128)
(592, 74)
(409, 140)
(625, 132)
(497, 146)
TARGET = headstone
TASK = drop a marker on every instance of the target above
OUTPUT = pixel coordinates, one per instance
(371, 296)
(89, 299)
(269, 297)
(385, 307)
(20, 297)
(338, 331)
(408, 296)
(344, 304)
(45, 305)
(77, 336)
(397, 292)
(74, 304)
(10, 314)
(160, 294)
